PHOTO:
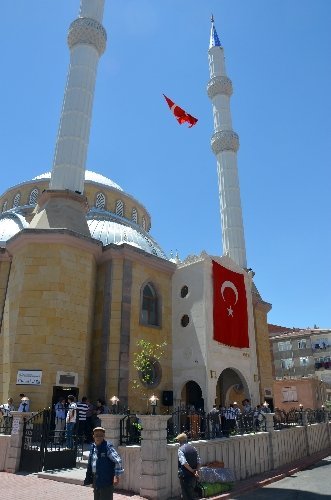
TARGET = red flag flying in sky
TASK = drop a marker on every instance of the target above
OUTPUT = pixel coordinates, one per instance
(180, 115)
(230, 307)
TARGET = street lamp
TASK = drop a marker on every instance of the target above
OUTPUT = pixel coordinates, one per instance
(300, 406)
(114, 402)
(153, 402)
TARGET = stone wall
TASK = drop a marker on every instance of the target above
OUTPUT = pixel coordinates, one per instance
(48, 313)
(263, 350)
(151, 469)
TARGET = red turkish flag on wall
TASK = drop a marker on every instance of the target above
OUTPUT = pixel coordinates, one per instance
(230, 307)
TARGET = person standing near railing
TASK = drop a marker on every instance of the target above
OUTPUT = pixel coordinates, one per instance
(188, 467)
(25, 404)
(60, 420)
(71, 419)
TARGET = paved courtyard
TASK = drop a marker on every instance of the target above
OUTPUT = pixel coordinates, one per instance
(24, 487)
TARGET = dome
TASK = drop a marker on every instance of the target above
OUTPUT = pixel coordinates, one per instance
(109, 228)
(89, 176)
(11, 223)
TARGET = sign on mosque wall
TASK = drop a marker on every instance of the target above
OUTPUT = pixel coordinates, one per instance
(29, 377)
(66, 379)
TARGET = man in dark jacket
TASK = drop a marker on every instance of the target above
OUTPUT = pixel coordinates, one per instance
(104, 466)
(188, 467)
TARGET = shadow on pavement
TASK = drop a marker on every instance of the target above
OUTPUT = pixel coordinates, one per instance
(280, 494)
(322, 463)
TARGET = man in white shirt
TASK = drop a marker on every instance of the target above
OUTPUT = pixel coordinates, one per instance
(71, 421)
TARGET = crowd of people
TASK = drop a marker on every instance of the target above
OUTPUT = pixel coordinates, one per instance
(77, 417)
(224, 419)
(6, 410)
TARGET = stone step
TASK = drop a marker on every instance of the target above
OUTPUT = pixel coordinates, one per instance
(72, 476)
(82, 463)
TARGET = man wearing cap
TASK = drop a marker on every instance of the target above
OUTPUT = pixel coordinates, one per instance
(188, 467)
(104, 466)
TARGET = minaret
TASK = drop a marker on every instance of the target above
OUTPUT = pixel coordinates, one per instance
(63, 204)
(225, 144)
(87, 42)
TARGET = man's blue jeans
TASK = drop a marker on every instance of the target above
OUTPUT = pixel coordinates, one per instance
(69, 431)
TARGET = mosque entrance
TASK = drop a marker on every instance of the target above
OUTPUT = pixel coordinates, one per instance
(63, 392)
(231, 387)
(192, 395)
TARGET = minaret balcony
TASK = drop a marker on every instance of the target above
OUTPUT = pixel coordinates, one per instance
(219, 85)
(225, 140)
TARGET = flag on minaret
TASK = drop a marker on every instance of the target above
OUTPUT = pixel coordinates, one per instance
(179, 113)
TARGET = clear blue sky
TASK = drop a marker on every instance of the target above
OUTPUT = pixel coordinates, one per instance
(278, 57)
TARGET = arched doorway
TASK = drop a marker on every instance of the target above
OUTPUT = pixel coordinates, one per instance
(192, 395)
(231, 386)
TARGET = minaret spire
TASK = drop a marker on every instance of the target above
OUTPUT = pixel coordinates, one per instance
(225, 144)
(87, 42)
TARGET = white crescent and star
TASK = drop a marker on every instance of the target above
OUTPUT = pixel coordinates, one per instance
(229, 284)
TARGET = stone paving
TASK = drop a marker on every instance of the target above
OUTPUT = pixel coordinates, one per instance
(30, 487)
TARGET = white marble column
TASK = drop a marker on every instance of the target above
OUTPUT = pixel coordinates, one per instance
(154, 456)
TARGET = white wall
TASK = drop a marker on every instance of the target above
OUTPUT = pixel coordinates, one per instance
(195, 352)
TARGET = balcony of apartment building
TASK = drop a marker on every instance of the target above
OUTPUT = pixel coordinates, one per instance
(322, 363)
(321, 346)
(294, 367)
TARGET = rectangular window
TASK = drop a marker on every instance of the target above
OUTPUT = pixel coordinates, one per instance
(285, 346)
(290, 394)
(287, 363)
(304, 361)
(302, 344)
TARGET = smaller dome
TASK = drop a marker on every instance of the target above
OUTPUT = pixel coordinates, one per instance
(89, 176)
(11, 223)
(109, 228)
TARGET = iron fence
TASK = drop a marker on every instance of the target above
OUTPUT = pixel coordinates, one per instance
(286, 420)
(251, 422)
(130, 430)
(6, 423)
(315, 416)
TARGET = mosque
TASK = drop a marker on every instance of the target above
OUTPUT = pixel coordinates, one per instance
(82, 280)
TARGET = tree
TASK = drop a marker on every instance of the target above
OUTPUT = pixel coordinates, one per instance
(146, 360)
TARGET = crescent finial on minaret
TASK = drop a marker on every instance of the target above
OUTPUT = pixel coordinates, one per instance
(212, 18)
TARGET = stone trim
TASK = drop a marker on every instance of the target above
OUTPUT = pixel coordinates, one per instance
(105, 328)
(125, 251)
(59, 236)
(124, 354)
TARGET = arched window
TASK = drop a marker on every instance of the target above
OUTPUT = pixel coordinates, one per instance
(16, 200)
(134, 216)
(143, 223)
(149, 306)
(119, 208)
(4, 206)
(33, 197)
(100, 201)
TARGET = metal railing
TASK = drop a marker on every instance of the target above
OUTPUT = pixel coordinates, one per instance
(6, 424)
(286, 420)
(316, 416)
(199, 425)
(130, 430)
